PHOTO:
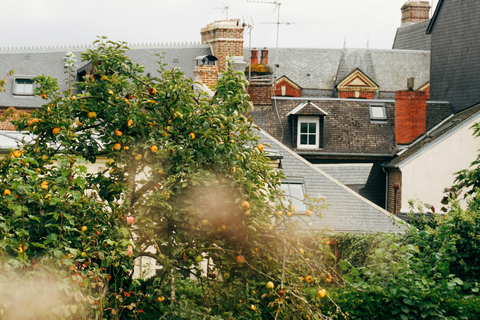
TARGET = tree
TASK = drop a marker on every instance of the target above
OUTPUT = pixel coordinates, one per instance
(187, 182)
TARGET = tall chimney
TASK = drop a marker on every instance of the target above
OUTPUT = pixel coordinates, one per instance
(415, 11)
(226, 39)
(410, 115)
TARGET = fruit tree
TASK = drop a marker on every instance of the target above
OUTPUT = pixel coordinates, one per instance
(186, 183)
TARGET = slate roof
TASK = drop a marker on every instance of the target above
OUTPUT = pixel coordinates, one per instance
(348, 211)
(455, 71)
(34, 62)
(413, 37)
(434, 135)
(317, 68)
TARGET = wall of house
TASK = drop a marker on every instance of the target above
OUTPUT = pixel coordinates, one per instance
(347, 127)
(394, 193)
(426, 176)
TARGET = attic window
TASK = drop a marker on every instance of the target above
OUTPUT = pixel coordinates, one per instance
(294, 195)
(378, 112)
(23, 86)
(308, 135)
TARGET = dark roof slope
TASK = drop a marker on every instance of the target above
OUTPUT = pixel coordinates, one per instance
(355, 59)
(348, 211)
(455, 71)
(442, 130)
(413, 37)
(34, 62)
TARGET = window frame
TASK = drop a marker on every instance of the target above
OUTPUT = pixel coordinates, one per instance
(16, 86)
(299, 208)
(377, 119)
(308, 119)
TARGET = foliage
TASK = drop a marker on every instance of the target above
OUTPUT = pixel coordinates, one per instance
(186, 183)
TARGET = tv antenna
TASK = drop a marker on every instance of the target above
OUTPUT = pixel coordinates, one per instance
(249, 27)
(224, 10)
(278, 23)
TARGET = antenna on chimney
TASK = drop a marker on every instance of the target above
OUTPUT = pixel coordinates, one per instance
(277, 7)
(249, 27)
(224, 10)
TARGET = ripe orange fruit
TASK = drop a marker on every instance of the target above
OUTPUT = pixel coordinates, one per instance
(84, 228)
(138, 157)
(154, 149)
(160, 299)
(35, 120)
(117, 146)
(192, 135)
(261, 147)
(129, 123)
(245, 205)
(74, 98)
(279, 212)
(322, 293)
(308, 279)
(104, 77)
(44, 157)
(17, 153)
(289, 214)
(7, 192)
(308, 213)
(152, 91)
(44, 185)
(240, 259)
(110, 92)
(56, 131)
(118, 132)
(92, 114)
(43, 95)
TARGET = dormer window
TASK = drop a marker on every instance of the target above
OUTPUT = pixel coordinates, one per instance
(308, 135)
(306, 121)
(23, 86)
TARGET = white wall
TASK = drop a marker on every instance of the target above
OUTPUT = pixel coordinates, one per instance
(425, 177)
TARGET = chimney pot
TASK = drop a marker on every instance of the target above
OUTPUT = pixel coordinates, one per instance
(414, 11)
(264, 58)
(254, 56)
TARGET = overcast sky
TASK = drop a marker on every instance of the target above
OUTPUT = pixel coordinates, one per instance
(313, 23)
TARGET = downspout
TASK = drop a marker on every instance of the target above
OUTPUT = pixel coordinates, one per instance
(386, 187)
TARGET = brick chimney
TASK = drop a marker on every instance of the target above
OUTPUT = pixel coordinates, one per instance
(260, 89)
(410, 114)
(226, 39)
(415, 11)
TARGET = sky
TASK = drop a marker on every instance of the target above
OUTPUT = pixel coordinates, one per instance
(303, 23)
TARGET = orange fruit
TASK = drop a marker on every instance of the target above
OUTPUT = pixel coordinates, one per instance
(261, 147)
(154, 149)
(152, 91)
(308, 213)
(17, 153)
(192, 135)
(117, 146)
(118, 132)
(240, 259)
(138, 157)
(7, 192)
(92, 114)
(43, 95)
(322, 293)
(129, 123)
(245, 205)
(56, 131)
(308, 279)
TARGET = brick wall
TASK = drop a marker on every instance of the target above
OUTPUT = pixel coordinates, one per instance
(206, 74)
(260, 93)
(347, 127)
(290, 91)
(410, 115)
(351, 94)
(415, 11)
(394, 194)
(7, 125)
(225, 39)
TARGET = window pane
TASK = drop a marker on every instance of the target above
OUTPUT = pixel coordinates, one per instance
(303, 127)
(311, 139)
(312, 128)
(294, 194)
(377, 112)
(24, 86)
(303, 139)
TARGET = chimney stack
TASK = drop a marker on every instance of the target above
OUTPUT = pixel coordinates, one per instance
(410, 115)
(226, 39)
(415, 11)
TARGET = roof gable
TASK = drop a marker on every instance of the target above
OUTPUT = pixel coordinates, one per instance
(307, 108)
(357, 81)
(286, 79)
